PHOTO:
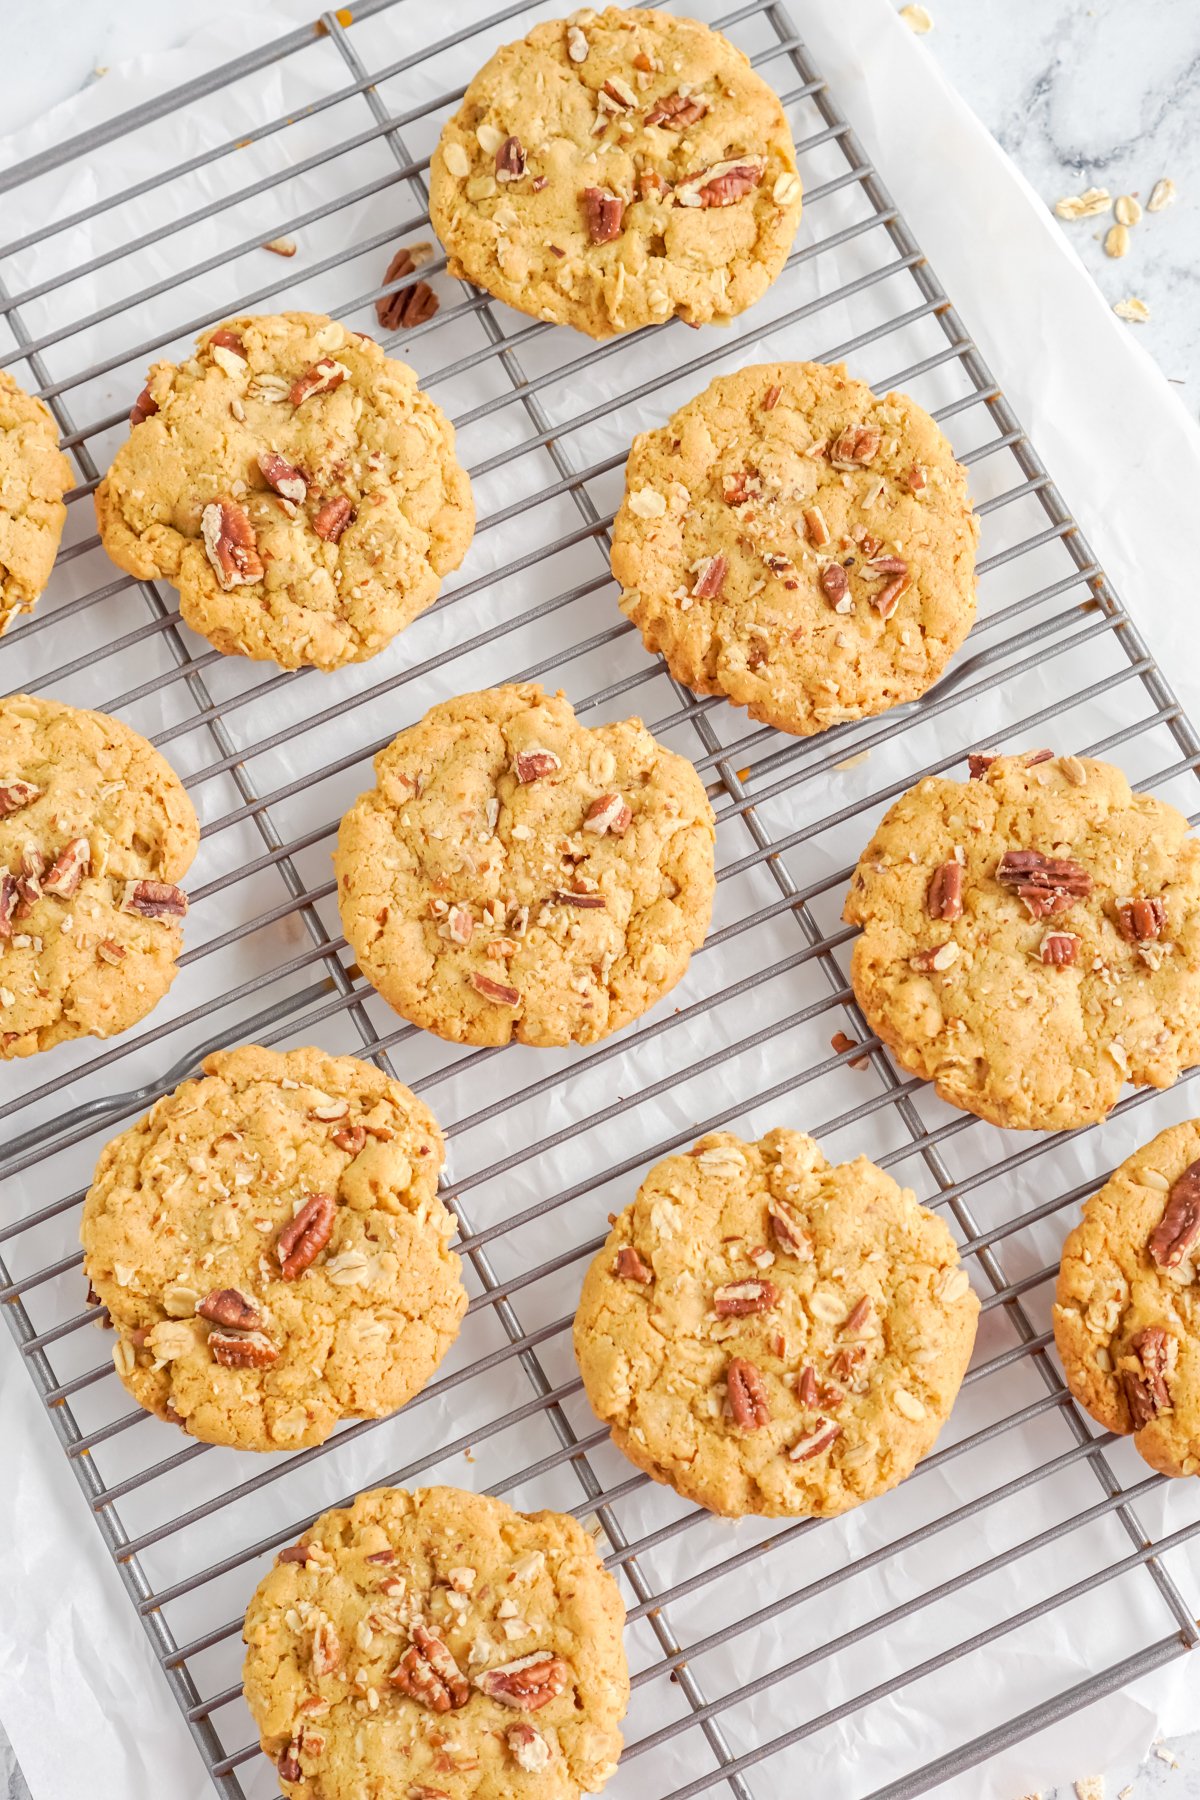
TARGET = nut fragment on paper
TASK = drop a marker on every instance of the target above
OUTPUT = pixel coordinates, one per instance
(1090, 1787)
(1084, 206)
(282, 246)
(917, 19)
(1163, 194)
(1133, 309)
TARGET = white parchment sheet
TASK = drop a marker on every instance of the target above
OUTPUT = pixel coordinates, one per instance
(80, 1691)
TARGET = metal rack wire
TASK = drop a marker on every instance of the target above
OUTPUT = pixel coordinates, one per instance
(748, 1040)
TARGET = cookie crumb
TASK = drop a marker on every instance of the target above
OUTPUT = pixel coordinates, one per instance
(1090, 1787)
(917, 18)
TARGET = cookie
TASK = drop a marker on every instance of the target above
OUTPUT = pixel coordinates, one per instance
(295, 485)
(616, 168)
(96, 833)
(272, 1250)
(798, 545)
(517, 875)
(1127, 1311)
(34, 476)
(437, 1645)
(769, 1333)
(1031, 939)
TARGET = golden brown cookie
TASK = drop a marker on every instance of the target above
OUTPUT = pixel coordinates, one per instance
(517, 875)
(1127, 1313)
(438, 1646)
(615, 168)
(96, 833)
(798, 545)
(771, 1334)
(295, 485)
(272, 1250)
(34, 476)
(1031, 939)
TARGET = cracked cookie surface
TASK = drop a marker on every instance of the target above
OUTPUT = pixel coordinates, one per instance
(798, 545)
(1062, 960)
(96, 833)
(438, 1644)
(34, 476)
(616, 169)
(515, 874)
(772, 1334)
(1127, 1308)
(296, 486)
(272, 1250)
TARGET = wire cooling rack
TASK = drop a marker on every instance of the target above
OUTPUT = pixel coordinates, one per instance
(943, 1622)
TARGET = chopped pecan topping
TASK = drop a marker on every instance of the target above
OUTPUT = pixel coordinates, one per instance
(224, 339)
(565, 897)
(771, 397)
(532, 764)
(428, 1673)
(888, 598)
(1142, 918)
(1148, 1393)
(739, 485)
(241, 1350)
(815, 528)
(846, 1360)
(855, 446)
(917, 479)
(382, 1556)
(737, 1298)
(528, 1747)
(619, 92)
(629, 1266)
(747, 1395)
(460, 926)
(68, 869)
(230, 543)
(710, 578)
(675, 112)
(154, 900)
(815, 1441)
(857, 1317)
(1061, 948)
(835, 584)
(143, 408)
(722, 183)
(29, 880)
(840, 1042)
(1177, 1231)
(528, 1683)
(288, 1767)
(350, 1138)
(411, 305)
(16, 794)
(649, 183)
(326, 1649)
(8, 905)
(979, 762)
(283, 476)
(304, 1237)
(297, 1553)
(935, 956)
(806, 1387)
(109, 951)
(789, 1232)
(495, 990)
(603, 213)
(510, 160)
(332, 518)
(1046, 884)
(944, 896)
(228, 1306)
(608, 813)
(322, 378)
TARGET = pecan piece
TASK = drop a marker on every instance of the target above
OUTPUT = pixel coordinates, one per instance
(846, 1360)
(528, 1683)
(835, 585)
(747, 1395)
(326, 1649)
(154, 900)
(8, 905)
(68, 869)
(230, 544)
(1046, 884)
(288, 1767)
(411, 305)
(857, 1317)
(628, 1265)
(979, 762)
(16, 794)
(710, 577)
(1148, 1393)
(224, 339)
(530, 765)
(815, 1441)
(602, 213)
(332, 518)
(143, 408)
(739, 486)
(29, 880)
(737, 1298)
(675, 112)
(722, 183)
(789, 1232)
(1142, 918)
(528, 1747)
(283, 476)
(428, 1674)
(608, 813)
(943, 897)
(1060, 948)
(230, 1307)
(297, 1553)
(855, 446)
(322, 378)
(1178, 1229)
(241, 1350)
(109, 951)
(305, 1236)
(815, 528)
(566, 897)
(498, 991)
(888, 598)
(510, 160)
(770, 399)
(350, 1138)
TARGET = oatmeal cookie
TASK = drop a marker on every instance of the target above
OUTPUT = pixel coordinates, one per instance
(34, 476)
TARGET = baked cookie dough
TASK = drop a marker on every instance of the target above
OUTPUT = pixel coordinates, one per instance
(515, 874)
(96, 833)
(1031, 939)
(295, 485)
(772, 1334)
(1127, 1311)
(798, 545)
(272, 1250)
(615, 168)
(437, 1645)
(34, 476)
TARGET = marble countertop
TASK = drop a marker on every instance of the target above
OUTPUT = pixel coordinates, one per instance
(1078, 95)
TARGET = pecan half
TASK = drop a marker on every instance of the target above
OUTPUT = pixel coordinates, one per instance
(241, 1350)
(332, 518)
(528, 1683)
(629, 1266)
(350, 1138)
(154, 900)
(747, 1395)
(411, 305)
(68, 869)
(835, 584)
(1060, 948)
(1142, 918)
(815, 1441)
(675, 112)
(710, 578)
(1148, 1393)
(528, 1747)
(789, 1232)
(322, 378)
(1178, 1229)
(722, 183)
(143, 408)
(8, 905)
(943, 897)
(1046, 884)
(608, 813)
(530, 765)
(428, 1674)
(498, 991)
(16, 794)
(230, 1307)
(283, 476)
(602, 213)
(855, 446)
(737, 1298)
(510, 160)
(326, 1648)
(230, 544)
(304, 1237)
